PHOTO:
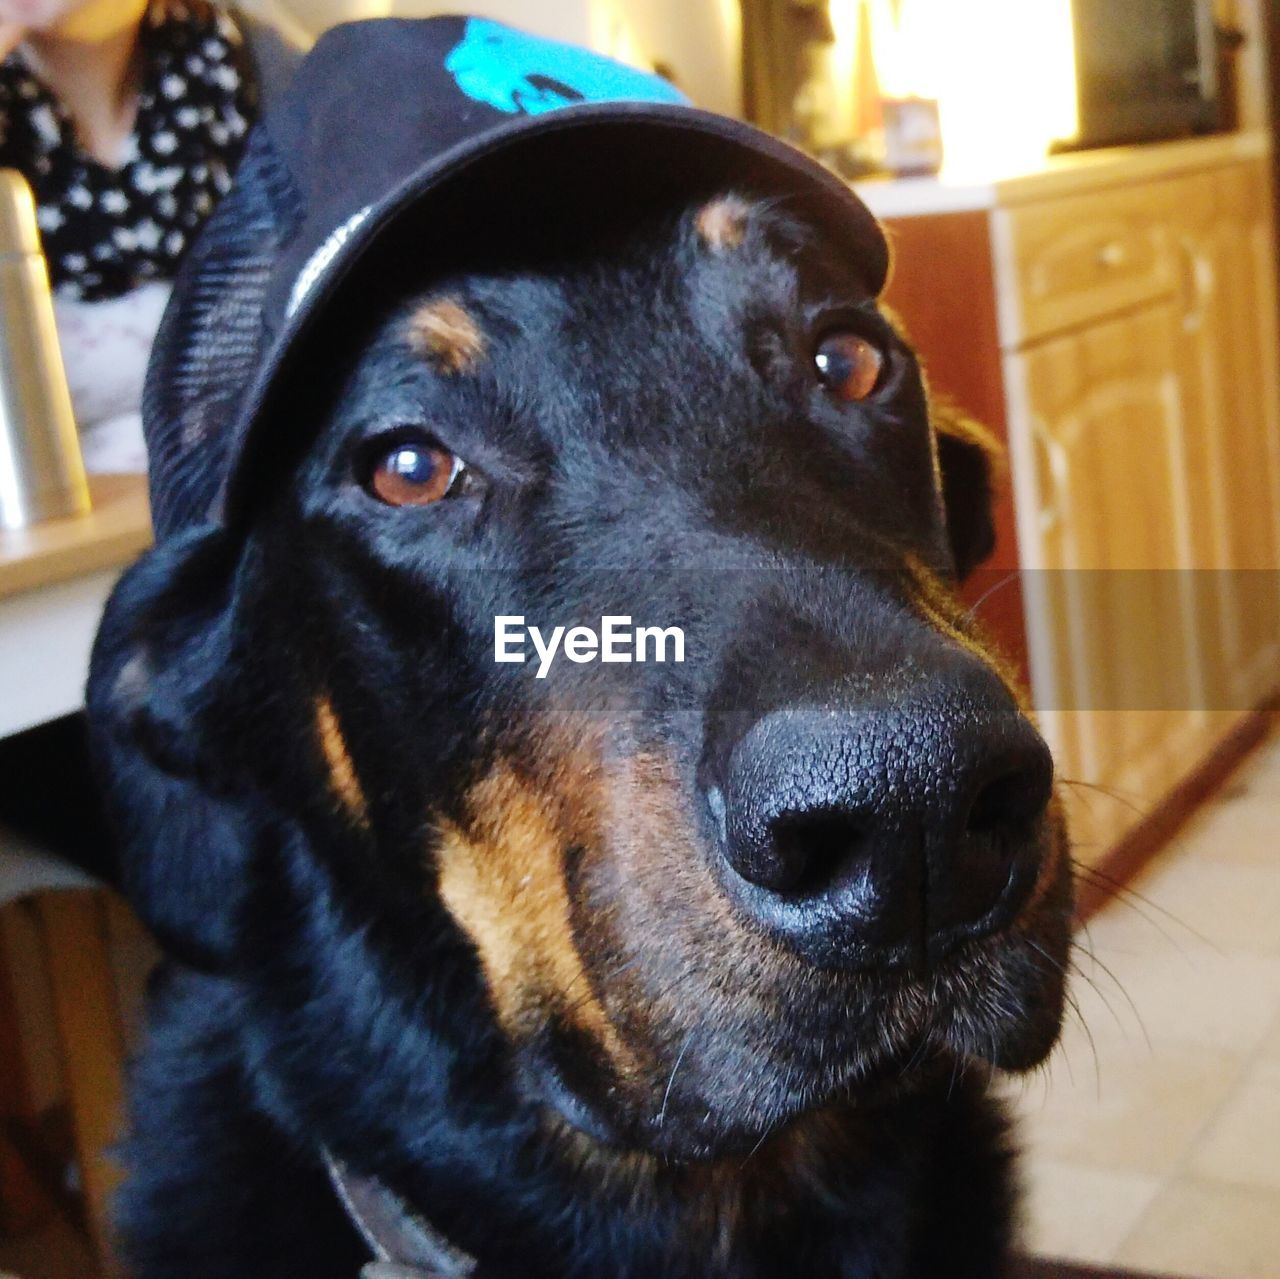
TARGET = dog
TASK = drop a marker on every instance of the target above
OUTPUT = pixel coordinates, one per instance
(585, 968)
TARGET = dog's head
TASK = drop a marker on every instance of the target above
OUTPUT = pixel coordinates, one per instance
(691, 900)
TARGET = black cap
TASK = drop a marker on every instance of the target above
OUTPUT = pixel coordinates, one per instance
(380, 119)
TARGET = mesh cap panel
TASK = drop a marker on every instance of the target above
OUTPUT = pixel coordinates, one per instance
(211, 339)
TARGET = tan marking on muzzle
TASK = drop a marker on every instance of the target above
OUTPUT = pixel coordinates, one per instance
(444, 332)
(693, 962)
(722, 223)
(342, 771)
(502, 878)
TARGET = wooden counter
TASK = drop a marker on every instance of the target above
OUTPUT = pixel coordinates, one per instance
(1075, 173)
(113, 533)
(54, 579)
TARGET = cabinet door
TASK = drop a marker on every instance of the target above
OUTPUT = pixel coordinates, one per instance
(1110, 622)
(1229, 348)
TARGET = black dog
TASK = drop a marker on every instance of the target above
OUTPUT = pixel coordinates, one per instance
(636, 969)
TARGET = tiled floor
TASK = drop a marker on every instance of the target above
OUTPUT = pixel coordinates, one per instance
(1153, 1138)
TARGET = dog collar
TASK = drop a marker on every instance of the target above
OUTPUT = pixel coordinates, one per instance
(404, 1245)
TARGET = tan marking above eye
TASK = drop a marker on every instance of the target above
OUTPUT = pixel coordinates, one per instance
(722, 222)
(444, 332)
(342, 771)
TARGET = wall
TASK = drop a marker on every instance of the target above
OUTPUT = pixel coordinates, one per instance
(698, 39)
(1250, 17)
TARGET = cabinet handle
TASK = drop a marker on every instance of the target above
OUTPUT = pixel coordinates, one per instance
(1112, 255)
(1197, 283)
(1058, 466)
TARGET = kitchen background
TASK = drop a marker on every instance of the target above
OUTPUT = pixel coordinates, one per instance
(1112, 315)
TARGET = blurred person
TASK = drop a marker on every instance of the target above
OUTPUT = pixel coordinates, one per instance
(127, 117)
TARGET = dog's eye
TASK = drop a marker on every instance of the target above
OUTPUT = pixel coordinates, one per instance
(415, 474)
(848, 364)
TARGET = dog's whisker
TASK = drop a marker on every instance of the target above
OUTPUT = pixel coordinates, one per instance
(666, 1096)
(1066, 1062)
(1042, 1075)
(1078, 1013)
(1138, 908)
(1134, 899)
(1137, 803)
(972, 611)
(1055, 965)
(1115, 892)
(1074, 1005)
(1119, 985)
(755, 1150)
(1106, 1003)
(918, 1053)
(1085, 948)
(590, 993)
(769, 1129)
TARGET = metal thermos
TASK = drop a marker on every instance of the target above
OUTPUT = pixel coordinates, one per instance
(41, 470)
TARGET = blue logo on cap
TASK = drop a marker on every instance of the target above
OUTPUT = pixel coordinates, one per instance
(520, 73)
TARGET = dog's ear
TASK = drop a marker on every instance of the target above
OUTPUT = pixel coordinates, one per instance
(970, 459)
(160, 665)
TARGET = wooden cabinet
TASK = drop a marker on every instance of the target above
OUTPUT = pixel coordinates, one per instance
(1138, 359)
(1113, 658)
(1227, 360)
(1106, 433)
(1079, 257)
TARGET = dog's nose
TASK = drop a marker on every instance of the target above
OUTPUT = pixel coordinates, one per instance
(888, 833)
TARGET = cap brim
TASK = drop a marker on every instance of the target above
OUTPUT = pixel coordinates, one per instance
(758, 160)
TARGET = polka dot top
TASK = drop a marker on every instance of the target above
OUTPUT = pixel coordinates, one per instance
(107, 230)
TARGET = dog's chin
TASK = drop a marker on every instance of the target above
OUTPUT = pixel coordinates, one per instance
(947, 1034)
(702, 1129)
(699, 1132)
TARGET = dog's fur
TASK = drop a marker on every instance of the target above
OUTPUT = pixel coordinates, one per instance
(462, 927)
